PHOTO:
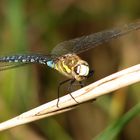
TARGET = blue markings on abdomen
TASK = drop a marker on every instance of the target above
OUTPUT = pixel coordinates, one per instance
(46, 60)
(50, 64)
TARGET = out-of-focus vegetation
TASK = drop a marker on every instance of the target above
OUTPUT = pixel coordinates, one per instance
(37, 26)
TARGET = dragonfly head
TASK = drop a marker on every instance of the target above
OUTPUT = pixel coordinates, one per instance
(81, 70)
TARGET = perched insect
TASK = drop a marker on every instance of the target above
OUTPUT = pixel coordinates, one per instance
(64, 56)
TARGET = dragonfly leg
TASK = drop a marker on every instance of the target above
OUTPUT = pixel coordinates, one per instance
(81, 84)
(91, 72)
(71, 83)
(60, 84)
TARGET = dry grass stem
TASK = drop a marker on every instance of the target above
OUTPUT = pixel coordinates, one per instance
(106, 85)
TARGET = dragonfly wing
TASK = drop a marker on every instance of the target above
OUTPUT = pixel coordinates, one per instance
(5, 66)
(81, 44)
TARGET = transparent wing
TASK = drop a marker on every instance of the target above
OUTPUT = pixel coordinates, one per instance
(81, 44)
(5, 66)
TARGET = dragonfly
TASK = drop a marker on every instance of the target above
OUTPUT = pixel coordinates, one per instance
(64, 56)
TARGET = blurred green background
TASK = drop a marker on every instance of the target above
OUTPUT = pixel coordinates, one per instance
(37, 26)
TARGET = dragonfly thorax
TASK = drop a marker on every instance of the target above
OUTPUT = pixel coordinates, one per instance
(72, 66)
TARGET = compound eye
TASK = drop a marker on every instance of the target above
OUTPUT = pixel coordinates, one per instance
(82, 70)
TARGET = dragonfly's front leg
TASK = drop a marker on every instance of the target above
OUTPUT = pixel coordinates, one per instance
(59, 86)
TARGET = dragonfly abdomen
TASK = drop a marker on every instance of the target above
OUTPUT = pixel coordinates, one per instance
(24, 59)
